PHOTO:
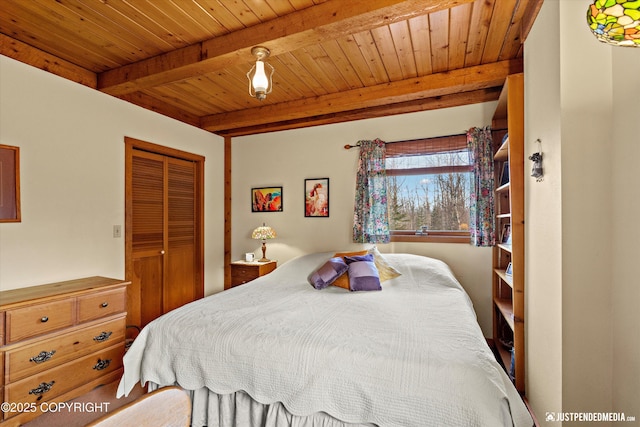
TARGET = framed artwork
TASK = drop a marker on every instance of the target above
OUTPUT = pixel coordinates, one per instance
(266, 199)
(509, 270)
(9, 183)
(316, 197)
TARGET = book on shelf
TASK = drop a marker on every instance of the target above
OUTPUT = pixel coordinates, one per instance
(504, 176)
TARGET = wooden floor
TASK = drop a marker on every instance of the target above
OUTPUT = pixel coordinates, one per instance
(105, 395)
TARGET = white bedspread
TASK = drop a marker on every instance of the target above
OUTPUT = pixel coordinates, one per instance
(409, 355)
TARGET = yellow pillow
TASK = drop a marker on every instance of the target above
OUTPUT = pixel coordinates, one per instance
(385, 270)
(343, 281)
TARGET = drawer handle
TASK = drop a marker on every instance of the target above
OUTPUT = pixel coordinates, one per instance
(102, 364)
(103, 336)
(44, 319)
(42, 389)
(43, 356)
(104, 304)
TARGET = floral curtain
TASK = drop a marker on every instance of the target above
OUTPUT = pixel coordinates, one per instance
(482, 223)
(370, 217)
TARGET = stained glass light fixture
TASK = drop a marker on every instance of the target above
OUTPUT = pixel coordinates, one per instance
(616, 22)
(263, 233)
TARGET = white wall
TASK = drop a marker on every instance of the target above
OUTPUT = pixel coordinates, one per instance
(625, 143)
(287, 158)
(586, 212)
(543, 211)
(583, 346)
(71, 141)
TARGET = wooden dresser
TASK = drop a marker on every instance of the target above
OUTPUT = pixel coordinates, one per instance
(58, 341)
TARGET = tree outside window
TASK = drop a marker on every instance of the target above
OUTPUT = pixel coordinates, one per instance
(428, 189)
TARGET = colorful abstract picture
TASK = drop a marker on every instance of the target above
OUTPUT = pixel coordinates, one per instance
(316, 197)
(266, 199)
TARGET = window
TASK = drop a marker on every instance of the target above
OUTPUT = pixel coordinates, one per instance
(428, 189)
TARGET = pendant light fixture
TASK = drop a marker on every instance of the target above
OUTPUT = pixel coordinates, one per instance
(260, 82)
(616, 22)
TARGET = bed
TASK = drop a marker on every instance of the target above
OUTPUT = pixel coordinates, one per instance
(279, 352)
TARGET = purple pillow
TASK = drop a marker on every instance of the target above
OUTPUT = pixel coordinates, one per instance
(363, 274)
(328, 273)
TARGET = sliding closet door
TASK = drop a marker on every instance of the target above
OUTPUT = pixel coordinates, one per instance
(164, 251)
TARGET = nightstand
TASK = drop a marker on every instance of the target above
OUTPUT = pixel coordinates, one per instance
(243, 272)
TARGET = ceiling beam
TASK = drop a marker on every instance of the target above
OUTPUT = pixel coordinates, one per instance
(22, 52)
(461, 80)
(327, 21)
(533, 7)
(446, 101)
(150, 103)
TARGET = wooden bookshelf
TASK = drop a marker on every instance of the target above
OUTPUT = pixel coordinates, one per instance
(508, 290)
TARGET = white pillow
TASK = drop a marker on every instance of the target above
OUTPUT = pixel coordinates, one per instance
(386, 270)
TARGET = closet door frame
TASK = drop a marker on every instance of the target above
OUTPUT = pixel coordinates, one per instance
(132, 144)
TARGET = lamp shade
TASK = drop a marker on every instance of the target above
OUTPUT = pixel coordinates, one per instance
(259, 80)
(263, 232)
(616, 22)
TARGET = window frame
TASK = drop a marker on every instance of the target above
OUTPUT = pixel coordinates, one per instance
(444, 144)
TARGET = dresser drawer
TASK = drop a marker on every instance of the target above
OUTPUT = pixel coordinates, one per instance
(31, 359)
(38, 319)
(46, 386)
(241, 274)
(101, 304)
(2, 328)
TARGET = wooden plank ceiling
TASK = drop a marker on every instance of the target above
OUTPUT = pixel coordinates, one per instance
(334, 60)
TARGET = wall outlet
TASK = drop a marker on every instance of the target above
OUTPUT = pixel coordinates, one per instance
(117, 231)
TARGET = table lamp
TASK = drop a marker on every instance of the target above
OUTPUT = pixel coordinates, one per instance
(263, 233)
